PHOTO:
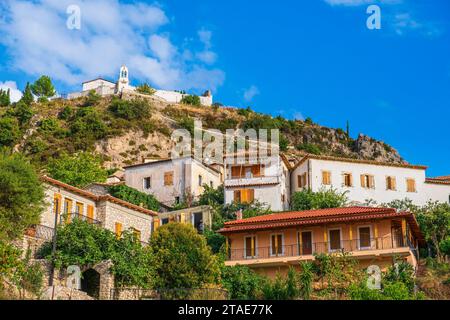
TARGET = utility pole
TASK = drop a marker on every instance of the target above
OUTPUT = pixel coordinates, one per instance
(348, 129)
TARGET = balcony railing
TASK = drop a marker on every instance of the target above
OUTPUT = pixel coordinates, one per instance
(297, 250)
(40, 232)
(69, 217)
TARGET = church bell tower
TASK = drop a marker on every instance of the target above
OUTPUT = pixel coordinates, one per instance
(124, 81)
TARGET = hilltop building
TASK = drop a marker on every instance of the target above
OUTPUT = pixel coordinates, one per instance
(105, 87)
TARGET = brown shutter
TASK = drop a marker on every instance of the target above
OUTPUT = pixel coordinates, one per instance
(235, 172)
(299, 181)
(237, 196)
(371, 182)
(256, 170)
(250, 195)
(394, 183)
(363, 181)
(351, 180)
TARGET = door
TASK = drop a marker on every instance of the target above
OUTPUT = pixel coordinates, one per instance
(306, 243)
(197, 220)
(364, 238)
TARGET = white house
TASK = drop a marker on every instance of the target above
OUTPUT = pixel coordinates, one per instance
(105, 87)
(171, 181)
(368, 180)
(267, 181)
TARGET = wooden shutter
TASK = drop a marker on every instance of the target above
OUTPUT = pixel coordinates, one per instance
(363, 181)
(236, 172)
(299, 181)
(350, 179)
(156, 223)
(168, 178)
(90, 213)
(326, 177)
(237, 196)
(118, 229)
(250, 195)
(411, 185)
(394, 183)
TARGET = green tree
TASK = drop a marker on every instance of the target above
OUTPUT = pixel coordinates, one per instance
(78, 170)
(5, 98)
(9, 131)
(21, 196)
(242, 283)
(22, 112)
(324, 198)
(134, 196)
(181, 258)
(434, 221)
(27, 96)
(85, 245)
(92, 99)
(43, 88)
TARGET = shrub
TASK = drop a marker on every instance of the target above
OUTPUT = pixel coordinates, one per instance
(309, 148)
(191, 99)
(66, 113)
(5, 98)
(23, 112)
(134, 196)
(305, 280)
(130, 110)
(145, 89)
(43, 88)
(92, 99)
(242, 283)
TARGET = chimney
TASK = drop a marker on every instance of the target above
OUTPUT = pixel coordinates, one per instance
(239, 215)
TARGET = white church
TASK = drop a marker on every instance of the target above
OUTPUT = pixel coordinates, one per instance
(105, 87)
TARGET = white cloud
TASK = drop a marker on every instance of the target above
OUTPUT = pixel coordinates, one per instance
(404, 23)
(15, 94)
(298, 116)
(112, 33)
(207, 56)
(250, 93)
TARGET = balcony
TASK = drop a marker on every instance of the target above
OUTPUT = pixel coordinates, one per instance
(358, 248)
(251, 181)
(69, 217)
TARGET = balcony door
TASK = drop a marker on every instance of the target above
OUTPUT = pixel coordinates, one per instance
(250, 247)
(364, 235)
(306, 238)
(335, 242)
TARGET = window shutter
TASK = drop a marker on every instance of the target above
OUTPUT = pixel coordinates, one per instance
(256, 170)
(363, 181)
(237, 196)
(235, 172)
(299, 181)
(90, 213)
(351, 180)
(118, 229)
(251, 195)
(394, 183)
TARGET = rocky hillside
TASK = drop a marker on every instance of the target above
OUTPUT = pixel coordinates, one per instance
(126, 131)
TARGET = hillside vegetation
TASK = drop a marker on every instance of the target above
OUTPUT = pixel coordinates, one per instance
(126, 130)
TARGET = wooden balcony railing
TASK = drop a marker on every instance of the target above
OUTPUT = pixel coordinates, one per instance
(69, 217)
(297, 250)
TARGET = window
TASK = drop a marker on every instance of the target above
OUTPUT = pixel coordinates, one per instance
(67, 206)
(347, 179)
(200, 181)
(168, 178)
(410, 185)
(244, 195)
(364, 236)
(367, 181)
(301, 180)
(164, 221)
(326, 177)
(250, 247)
(335, 239)
(239, 172)
(276, 244)
(118, 229)
(147, 183)
(211, 184)
(57, 203)
(391, 183)
(79, 208)
(136, 233)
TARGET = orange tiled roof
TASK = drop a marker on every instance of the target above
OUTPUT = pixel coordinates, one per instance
(315, 217)
(96, 198)
(439, 180)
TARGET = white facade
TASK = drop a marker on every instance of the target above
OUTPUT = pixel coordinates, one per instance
(171, 180)
(104, 87)
(269, 184)
(314, 168)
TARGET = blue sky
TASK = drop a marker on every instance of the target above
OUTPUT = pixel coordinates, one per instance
(295, 58)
